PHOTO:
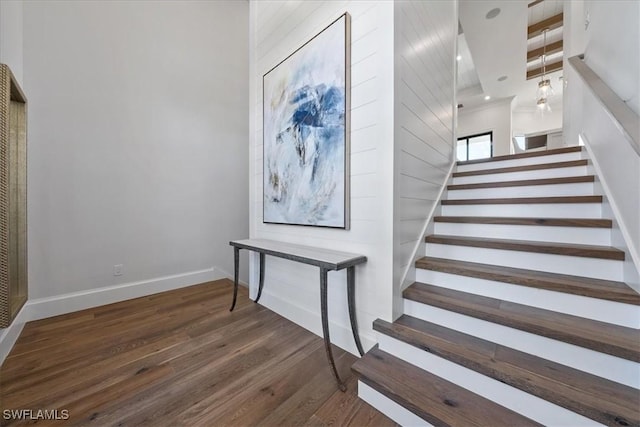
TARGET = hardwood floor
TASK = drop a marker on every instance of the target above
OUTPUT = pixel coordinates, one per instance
(180, 358)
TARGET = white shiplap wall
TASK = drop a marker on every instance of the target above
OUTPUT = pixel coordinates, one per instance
(425, 37)
(292, 289)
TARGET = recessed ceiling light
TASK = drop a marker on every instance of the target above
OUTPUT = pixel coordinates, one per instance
(458, 58)
(502, 78)
(486, 98)
(493, 13)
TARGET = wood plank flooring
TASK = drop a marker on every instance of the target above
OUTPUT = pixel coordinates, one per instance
(523, 183)
(180, 358)
(549, 222)
(602, 337)
(524, 168)
(562, 150)
(432, 398)
(585, 286)
(569, 249)
(524, 200)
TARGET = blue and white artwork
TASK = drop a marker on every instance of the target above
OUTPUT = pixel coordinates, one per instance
(305, 133)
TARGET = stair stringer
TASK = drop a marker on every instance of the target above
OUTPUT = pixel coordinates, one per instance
(620, 236)
(409, 273)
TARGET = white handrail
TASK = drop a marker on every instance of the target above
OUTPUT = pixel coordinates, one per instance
(624, 117)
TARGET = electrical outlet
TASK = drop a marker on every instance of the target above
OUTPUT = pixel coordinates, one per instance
(117, 270)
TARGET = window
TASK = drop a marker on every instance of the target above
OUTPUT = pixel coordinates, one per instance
(475, 147)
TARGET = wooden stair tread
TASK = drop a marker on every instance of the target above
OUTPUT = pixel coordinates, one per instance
(589, 251)
(525, 200)
(570, 388)
(524, 155)
(430, 397)
(585, 286)
(573, 163)
(523, 183)
(603, 337)
(555, 222)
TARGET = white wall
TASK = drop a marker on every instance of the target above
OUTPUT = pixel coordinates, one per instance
(11, 36)
(613, 45)
(292, 289)
(618, 169)
(137, 141)
(494, 116)
(527, 122)
(573, 44)
(425, 37)
(11, 54)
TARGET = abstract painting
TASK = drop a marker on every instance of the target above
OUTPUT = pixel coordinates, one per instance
(306, 133)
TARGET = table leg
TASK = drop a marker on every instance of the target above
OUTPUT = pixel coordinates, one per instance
(325, 327)
(236, 267)
(261, 284)
(351, 300)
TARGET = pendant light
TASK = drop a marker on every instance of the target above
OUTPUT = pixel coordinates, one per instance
(545, 90)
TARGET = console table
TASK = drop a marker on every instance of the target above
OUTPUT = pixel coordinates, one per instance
(326, 260)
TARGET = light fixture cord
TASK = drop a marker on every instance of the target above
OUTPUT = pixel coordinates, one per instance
(544, 53)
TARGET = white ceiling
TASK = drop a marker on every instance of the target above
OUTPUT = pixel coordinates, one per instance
(491, 48)
(544, 10)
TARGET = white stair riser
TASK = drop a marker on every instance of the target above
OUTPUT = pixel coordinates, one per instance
(579, 235)
(536, 160)
(391, 409)
(504, 395)
(552, 190)
(627, 315)
(563, 264)
(517, 176)
(600, 364)
(540, 210)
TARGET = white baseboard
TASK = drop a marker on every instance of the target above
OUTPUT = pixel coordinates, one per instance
(60, 304)
(9, 335)
(41, 308)
(311, 321)
(224, 274)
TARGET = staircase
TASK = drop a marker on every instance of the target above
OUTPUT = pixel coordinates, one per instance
(519, 315)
